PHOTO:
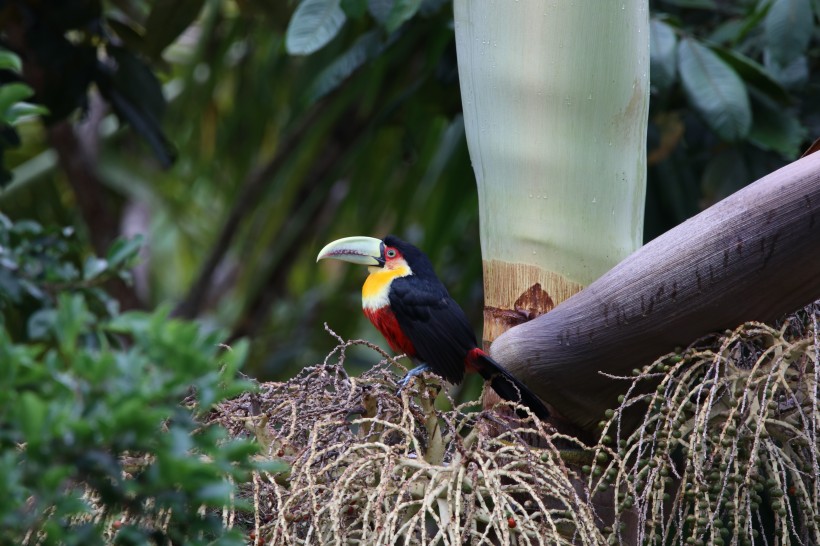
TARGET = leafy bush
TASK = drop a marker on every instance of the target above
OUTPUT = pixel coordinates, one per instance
(100, 437)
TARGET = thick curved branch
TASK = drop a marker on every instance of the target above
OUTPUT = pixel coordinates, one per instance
(753, 256)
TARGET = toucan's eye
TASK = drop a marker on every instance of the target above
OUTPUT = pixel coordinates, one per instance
(391, 253)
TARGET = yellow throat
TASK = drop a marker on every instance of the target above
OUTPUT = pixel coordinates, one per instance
(377, 286)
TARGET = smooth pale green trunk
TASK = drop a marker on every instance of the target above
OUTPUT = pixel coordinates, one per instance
(555, 99)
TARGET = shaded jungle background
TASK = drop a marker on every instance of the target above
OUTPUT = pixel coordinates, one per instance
(237, 148)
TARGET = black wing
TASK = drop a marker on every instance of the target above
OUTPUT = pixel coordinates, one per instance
(434, 323)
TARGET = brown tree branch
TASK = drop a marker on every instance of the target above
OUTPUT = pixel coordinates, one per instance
(753, 256)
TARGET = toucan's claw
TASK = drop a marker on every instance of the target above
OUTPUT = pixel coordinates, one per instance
(418, 370)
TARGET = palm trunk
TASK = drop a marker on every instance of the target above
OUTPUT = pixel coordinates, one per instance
(555, 106)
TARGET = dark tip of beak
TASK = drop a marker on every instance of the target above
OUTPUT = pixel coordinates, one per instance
(381, 259)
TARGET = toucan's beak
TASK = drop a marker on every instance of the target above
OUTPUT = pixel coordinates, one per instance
(357, 250)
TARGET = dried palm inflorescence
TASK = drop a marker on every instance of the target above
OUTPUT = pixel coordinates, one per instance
(724, 450)
(366, 466)
(727, 451)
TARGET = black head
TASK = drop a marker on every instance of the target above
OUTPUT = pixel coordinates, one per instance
(414, 257)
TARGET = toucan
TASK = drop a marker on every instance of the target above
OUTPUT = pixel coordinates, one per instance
(409, 305)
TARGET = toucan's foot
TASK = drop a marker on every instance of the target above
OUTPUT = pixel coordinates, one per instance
(418, 370)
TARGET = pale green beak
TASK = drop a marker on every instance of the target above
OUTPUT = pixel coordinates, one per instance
(357, 250)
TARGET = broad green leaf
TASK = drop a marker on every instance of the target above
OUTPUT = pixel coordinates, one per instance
(167, 21)
(714, 90)
(32, 413)
(735, 30)
(10, 61)
(136, 95)
(788, 28)
(380, 9)
(662, 57)
(727, 32)
(137, 83)
(355, 9)
(753, 74)
(123, 250)
(10, 94)
(93, 267)
(776, 128)
(402, 11)
(132, 322)
(41, 323)
(24, 110)
(313, 25)
(364, 48)
(793, 75)
(73, 317)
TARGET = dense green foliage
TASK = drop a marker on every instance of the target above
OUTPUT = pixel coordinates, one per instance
(272, 128)
(99, 410)
(298, 123)
(734, 98)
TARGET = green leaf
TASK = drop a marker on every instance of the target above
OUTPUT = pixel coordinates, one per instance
(753, 74)
(32, 413)
(788, 28)
(793, 75)
(73, 318)
(167, 21)
(355, 9)
(24, 110)
(715, 90)
(41, 323)
(10, 61)
(775, 128)
(136, 95)
(93, 267)
(402, 11)
(380, 10)
(10, 285)
(313, 25)
(10, 94)
(132, 322)
(734, 30)
(124, 250)
(366, 47)
(662, 58)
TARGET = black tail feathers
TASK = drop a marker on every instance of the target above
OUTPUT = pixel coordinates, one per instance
(508, 387)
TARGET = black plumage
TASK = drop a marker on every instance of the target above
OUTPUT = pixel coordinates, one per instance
(440, 332)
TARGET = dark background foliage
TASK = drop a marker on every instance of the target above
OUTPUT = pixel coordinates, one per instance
(239, 137)
(188, 159)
